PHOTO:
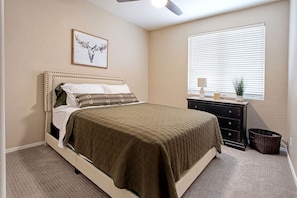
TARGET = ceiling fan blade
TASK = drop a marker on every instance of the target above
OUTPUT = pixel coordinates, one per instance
(120, 1)
(173, 8)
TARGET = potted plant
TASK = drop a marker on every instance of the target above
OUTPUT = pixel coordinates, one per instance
(239, 89)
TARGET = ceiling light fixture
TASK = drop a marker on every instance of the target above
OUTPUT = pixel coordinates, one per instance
(159, 3)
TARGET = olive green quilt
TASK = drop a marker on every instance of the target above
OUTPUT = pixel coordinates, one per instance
(143, 147)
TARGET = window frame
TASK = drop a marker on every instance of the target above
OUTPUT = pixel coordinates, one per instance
(260, 31)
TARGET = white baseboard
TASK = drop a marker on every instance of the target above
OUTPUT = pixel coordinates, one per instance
(24, 147)
(292, 169)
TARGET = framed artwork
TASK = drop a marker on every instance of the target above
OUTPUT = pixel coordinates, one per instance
(89, 50)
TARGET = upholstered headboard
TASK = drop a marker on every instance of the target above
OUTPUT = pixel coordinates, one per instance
(52, 79)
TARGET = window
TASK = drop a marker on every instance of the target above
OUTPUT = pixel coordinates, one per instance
(224, 56)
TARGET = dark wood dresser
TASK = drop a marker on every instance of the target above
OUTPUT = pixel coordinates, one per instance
(231, 115)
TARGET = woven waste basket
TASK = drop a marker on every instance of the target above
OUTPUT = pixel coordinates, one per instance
(264, 141)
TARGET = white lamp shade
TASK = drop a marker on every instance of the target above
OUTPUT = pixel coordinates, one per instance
(202, 82)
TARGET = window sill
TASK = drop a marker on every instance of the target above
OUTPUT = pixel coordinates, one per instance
(232, 97)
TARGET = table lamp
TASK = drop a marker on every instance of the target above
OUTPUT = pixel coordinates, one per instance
(202, 82)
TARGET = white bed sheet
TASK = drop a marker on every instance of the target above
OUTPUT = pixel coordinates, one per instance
(61, 116)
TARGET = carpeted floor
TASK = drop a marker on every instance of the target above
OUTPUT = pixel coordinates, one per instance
(41, 172)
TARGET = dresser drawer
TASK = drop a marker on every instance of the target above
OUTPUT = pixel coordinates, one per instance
(230, 135)
(229, 123)
(218, 110)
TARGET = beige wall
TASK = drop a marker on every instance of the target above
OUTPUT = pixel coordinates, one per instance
(292, 85)
(38, 38)
(168, 62)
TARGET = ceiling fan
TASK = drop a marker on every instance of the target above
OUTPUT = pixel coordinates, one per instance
(167, 3)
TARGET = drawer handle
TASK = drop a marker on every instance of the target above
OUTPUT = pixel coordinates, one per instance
(230, 111)
(229, 134)
(196, 106)
(230, 123)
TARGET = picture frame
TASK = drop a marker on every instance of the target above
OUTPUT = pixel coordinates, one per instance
(89, 50)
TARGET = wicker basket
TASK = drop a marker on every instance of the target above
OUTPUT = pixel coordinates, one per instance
(265, 141)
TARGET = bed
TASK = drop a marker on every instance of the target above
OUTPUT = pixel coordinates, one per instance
(177, 176)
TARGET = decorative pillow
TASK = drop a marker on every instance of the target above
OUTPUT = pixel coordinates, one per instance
(60, 96)
(70, 89)
(86, 100)
(116, 89)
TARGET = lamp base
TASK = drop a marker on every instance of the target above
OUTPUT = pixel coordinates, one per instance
(201, 94)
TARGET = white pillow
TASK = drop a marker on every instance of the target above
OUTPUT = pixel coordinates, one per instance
(72, 89)
(116, 89)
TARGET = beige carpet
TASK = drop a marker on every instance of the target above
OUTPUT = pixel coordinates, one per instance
(41, 172)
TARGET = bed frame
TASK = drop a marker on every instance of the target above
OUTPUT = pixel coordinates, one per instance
(51, 80)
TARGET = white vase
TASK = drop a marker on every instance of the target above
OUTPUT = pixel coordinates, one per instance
(239, 98)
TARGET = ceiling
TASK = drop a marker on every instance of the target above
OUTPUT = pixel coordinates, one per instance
(143, 14)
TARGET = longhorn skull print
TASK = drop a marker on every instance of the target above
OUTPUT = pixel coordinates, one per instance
(91, 50)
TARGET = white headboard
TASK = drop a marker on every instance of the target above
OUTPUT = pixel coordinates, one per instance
(52, 79)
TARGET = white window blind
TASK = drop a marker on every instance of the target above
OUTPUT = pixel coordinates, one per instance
(224, 56)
